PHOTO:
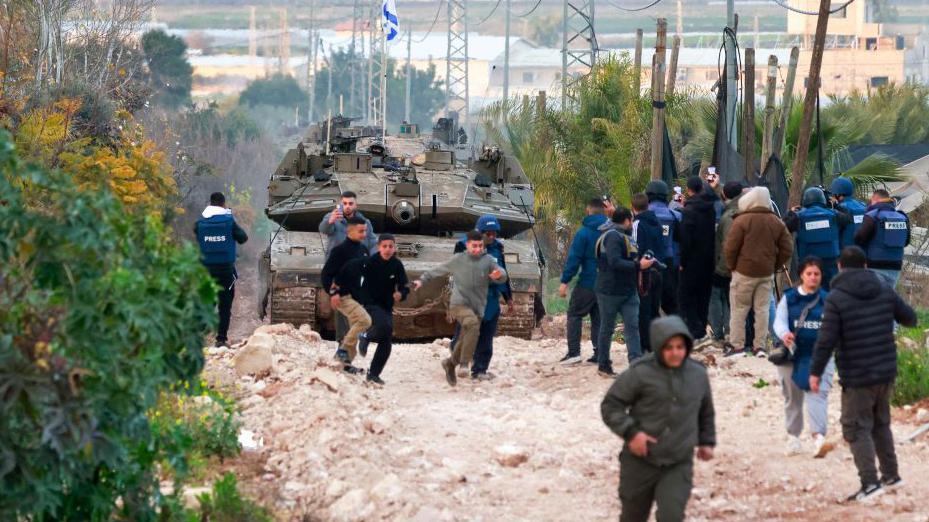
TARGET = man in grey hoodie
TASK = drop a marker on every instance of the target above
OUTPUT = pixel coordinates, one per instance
(662, 407)
(472, 271)
(335, 225)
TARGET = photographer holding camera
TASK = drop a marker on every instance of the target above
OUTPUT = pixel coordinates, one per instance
(647, 235)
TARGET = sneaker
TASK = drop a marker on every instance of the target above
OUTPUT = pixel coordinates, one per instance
(449, 368)
(701, 343)
(363, 344)
(822, 447)
(593, 359)
(464, 369)
(794, 445)
(732, 351)
(892, 482)
(341, 355)
(570, 359)
(606, 372)
(222, 344)
(865, 493)
(760, 353)
(482, 376)
(375, 380)
(352, 370)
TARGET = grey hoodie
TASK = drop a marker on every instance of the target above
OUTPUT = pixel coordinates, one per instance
(674, 405)
(338, 231)
(470, 278)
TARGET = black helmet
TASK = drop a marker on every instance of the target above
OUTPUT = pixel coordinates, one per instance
(813, 196)
(657, 189)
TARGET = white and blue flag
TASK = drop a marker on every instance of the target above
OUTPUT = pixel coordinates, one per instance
(391, 24)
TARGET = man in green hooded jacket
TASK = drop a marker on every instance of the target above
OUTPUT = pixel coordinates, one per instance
(662, 407)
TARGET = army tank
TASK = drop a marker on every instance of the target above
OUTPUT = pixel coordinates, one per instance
(413, 187)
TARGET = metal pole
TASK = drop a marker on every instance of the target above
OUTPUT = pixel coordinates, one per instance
(329, 86)
(384, 86)
(658, 72)
(797, 172)
(638, 59)
(409, 74)
(732, 85)
(506, 53)
(768, 134)
(748, 115)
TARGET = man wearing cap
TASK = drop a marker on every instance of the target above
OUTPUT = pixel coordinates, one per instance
(488, 225)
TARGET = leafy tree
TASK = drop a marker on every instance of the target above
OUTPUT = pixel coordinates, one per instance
(545, 31)
(100, 313)
(427, 93)
(277, 91)
(171, 73)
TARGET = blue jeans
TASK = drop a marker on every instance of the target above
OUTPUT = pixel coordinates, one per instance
(888, 274)
(485, 345)
(719, 310)
(610, 306)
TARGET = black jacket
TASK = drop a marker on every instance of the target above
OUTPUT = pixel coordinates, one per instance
(617, 262)
(338, 258)
(858, 325)
(647, 233)
(698, 234)
(674, 405)
(372, 281)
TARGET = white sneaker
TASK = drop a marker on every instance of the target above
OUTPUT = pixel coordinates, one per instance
(822, 447)
(464, 369)
(568, 360)
(794, 445)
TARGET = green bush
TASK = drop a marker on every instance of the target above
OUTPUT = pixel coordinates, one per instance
(227, 505)
(912, 375)
(99, 314)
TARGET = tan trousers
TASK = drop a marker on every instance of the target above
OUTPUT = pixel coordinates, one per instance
(749, 293)
(358, 321)
(467, 338)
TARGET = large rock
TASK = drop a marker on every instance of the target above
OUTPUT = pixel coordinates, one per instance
(510, 456)
(327, 377)
(308, 334)
(275, 329)
(255, 357)
(352, 507)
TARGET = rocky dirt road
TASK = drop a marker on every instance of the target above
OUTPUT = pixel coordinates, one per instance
(528, 445)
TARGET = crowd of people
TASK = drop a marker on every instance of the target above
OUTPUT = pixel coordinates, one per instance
(683, 271)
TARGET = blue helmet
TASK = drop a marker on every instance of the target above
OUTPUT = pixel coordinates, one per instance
(487, 223)
(842, 186)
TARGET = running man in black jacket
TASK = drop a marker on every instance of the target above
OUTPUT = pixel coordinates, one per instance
(858, 326)
(383, 282)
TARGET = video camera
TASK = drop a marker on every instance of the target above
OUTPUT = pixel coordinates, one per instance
(658, 264)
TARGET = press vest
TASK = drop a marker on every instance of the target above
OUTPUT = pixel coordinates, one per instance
(890, 231)
(857, 210)
(217, 246)
(817, 233)
(805, 332)
(667, 218)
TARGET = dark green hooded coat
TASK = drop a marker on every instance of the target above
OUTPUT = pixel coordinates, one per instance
(673, 405)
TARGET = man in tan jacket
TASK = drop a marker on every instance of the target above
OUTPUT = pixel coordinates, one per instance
(756, 246)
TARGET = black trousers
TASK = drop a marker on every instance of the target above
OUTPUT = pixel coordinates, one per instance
(583, 303)
(866, 427)
(225, 276)
(669, 283)
(642, 483)
(381, 332)
(649, 307)
(696, 286)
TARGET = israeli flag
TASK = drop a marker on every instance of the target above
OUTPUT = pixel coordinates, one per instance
(391, 25)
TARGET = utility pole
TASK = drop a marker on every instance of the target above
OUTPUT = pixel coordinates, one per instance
(757, 32)
(797, 172)
(680, 18)
(283, 55)
(409, 74)
(732, 86)
(768, 134)
(456, 60)
(672, 69)
(375, 64)
(637, 63)
(778, 141)
(578, 44)
(748, 115)
(506, 53)
(329, 86)
(311, 71)
(658, 72)
(352, 65)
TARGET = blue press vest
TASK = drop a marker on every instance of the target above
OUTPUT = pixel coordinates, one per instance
(890, 230)
(817, 233)
(856, 209)
(217, 246)
(804, 334)
(667, 218)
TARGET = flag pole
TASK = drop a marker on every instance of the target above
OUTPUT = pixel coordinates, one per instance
(384, 86)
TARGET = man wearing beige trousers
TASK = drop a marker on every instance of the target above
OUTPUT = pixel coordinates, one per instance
(756, 246)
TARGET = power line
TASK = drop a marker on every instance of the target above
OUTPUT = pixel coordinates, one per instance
(811, 13)
(491, 13)
(632, 10)
(438, 11)
(529, 12)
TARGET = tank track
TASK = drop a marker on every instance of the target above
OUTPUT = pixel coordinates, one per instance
(521, 323)
(293, 304)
